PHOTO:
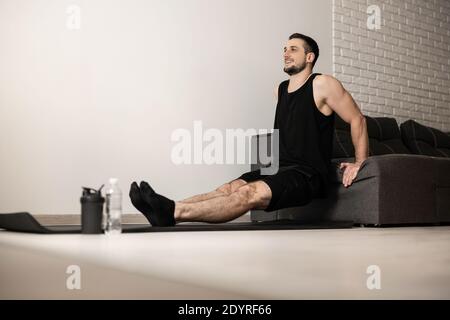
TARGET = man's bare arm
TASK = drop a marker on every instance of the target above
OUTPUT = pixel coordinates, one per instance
(340, 101)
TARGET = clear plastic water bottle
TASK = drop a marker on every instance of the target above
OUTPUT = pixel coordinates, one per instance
(113, 217)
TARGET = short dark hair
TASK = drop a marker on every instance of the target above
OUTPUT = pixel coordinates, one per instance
(310, 45)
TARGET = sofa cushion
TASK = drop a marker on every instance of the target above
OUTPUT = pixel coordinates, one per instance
(425, 140)
(384, 138)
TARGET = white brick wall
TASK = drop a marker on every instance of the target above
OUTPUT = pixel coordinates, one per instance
(401, 70)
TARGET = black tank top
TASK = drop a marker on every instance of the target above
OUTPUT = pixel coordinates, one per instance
(306, 134)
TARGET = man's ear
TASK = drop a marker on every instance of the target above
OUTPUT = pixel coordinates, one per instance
(310, 56)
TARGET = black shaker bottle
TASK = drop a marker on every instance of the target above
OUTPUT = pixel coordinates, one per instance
(91, 210)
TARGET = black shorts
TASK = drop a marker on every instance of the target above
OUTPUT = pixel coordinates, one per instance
(291, 186)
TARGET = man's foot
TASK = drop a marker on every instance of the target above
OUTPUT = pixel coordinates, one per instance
(140, 204)
(161, 211)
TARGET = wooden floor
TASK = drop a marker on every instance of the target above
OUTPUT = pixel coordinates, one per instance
(413, 263)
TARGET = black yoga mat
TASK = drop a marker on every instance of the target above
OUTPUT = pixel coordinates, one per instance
(25, 222)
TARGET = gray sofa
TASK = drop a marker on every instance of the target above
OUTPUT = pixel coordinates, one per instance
(398, 184)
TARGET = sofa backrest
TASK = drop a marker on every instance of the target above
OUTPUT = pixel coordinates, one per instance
(384, 138)
(425, 140)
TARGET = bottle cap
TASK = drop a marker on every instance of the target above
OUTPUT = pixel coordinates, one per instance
(90, 194)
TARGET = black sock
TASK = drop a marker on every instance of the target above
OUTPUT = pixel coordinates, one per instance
(140, 204)
(162, 209)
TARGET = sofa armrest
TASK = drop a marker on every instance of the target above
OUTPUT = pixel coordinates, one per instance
(256, 142)
(389, 165)
(401, 190)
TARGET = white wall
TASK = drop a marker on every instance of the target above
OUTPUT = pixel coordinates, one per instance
(401, 70)
(79, 106)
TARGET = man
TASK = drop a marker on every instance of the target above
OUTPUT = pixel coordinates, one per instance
(304, 117)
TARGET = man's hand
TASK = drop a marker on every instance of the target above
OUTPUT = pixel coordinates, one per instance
(350, 172)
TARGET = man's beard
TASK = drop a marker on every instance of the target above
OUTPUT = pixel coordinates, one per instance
(295, 69)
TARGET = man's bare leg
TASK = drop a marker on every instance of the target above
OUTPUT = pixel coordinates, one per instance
(224, 189)
(254, 195)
